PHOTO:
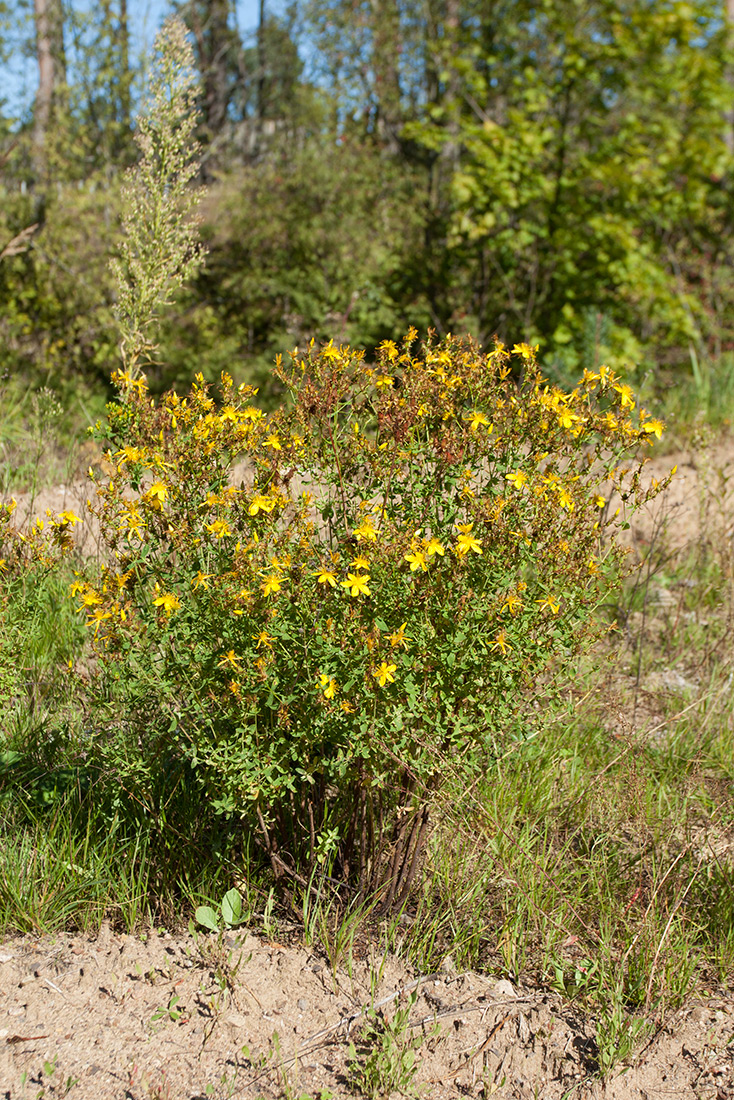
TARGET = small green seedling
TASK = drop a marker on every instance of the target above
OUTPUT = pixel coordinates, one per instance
(230, 911)
(170, 1012)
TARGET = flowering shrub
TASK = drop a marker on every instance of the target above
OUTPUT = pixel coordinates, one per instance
(416, 543)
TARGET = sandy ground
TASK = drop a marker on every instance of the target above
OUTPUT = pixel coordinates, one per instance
(121, 1017)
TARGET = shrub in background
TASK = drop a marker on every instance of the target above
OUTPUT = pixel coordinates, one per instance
(333, 639)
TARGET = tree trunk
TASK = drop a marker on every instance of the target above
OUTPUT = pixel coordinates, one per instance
(51, 77)
(125, 75)
(386, 49)
(209, 22)
(46, 84)
(261, 65)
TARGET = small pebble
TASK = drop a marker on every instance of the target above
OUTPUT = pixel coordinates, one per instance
(302, 1004)
(237, 1020)
(504, 988)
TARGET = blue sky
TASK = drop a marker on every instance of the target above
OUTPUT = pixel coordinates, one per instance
(18, 72)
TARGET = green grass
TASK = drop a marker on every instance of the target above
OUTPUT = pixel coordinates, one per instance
(694, 398)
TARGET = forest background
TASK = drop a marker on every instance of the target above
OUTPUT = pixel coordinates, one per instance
(559, 173)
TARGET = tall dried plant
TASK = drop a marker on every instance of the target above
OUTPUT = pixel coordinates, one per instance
(160, 248)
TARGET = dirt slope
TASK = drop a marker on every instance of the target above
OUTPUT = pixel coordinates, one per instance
(119, 1017)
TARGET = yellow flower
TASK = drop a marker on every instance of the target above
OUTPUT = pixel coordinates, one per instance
(330, 352)
(383, 380)
(467, 541)
(263, 639)
(433, 546)
(417, 560)
(325, 576)
(478, 419)
(565, 499)
(390, 349)
(261, 503)
(357, 584)
(347, 707)
(567, 419)
(130, 454)
(168, 601)
(512, 603)
(360, 562)
(219, 528)
(229, 659)
(156, 494)
(366, 531)
(500, 642)
(328, 685)
(271, 584)
(398, 637)
(273, 442)
(90, 598)
(549, 602)
(525, 350)
(384, 674)
(626, 395)
(134, 523)
(654, 427)
(518, 479)
(98, 616)
(200, 580)
(600, 502)
(69, 517)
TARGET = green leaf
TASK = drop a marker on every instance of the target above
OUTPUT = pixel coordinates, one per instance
(232, 908)
(205, 915)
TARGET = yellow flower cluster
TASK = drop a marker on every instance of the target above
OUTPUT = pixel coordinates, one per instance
(441, 486)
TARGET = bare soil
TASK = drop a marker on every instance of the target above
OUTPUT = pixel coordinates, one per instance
(122, 1017)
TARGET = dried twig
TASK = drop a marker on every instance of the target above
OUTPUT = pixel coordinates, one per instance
(20, 242)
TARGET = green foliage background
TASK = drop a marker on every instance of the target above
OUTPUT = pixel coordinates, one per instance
(554, 172)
